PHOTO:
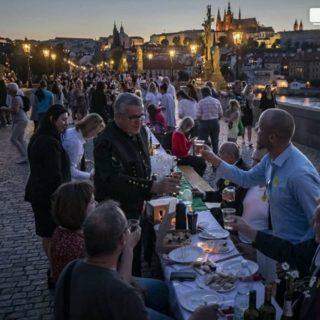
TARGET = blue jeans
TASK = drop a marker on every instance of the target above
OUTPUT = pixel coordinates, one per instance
(157, 298)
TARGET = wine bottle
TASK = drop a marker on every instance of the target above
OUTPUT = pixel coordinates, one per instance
(267, 311)
(252, 313)
(181, 217)
(151, 152)
(288, 300)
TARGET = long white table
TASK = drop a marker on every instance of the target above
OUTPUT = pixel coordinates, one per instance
(179, 288)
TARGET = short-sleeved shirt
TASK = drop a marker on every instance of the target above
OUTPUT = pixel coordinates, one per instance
(209, 108)
(98, 293)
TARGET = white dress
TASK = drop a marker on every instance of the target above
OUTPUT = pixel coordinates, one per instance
(72, 142)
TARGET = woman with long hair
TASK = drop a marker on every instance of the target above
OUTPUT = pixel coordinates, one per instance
(49, 168)
(74, 139)
(192, 92)
(181, 145)
(268, 99)
(99, 102)
(156, 119)
(234, 116)
(58, 96)
(153, 96)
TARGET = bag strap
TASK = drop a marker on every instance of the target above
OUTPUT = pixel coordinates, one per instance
(67, 289)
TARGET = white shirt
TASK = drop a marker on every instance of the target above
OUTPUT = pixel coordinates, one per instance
(255, 210)
(152, 98)
(171, 90)
(167, 102)
(73, 142)
(187, 108)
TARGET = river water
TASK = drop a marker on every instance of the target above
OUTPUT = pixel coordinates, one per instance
(306, 102)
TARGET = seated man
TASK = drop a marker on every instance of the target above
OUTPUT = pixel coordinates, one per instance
(93, 289)
(304, 256)
(230, 153)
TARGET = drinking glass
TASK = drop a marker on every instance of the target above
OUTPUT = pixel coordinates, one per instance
(227, 213)
(229, 194)
(133, 224)
(198, 147)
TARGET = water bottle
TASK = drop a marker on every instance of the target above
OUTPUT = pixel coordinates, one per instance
(241, 304)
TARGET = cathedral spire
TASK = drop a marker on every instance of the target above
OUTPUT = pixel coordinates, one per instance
(229, 8)
(218, 16)
(296, 26)
(239, 14)
(121, 28)
(301, 26)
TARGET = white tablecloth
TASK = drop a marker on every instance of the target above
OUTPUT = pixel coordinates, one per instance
(178, 288)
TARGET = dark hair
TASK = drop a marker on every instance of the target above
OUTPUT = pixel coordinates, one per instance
(47, 123)
(56, 89)
(100, 86)
(164, 87)
(70, 203)
(39, 93)
(205, 92)
(152, 110)
(192, 91)
(103, 229)
(183, 95)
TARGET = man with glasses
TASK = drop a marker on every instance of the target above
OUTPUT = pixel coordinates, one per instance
(293, 184)
(122, 162)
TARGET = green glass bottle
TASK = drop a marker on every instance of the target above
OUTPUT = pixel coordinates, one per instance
(288, 300)
(267, 311)
(252, 313)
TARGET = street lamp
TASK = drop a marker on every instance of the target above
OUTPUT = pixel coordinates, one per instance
(27, 50)
(46, 54)
(111, 64)
(150, 56)
(237, 40)
(193, 48)
(172, 53)
(53, 58)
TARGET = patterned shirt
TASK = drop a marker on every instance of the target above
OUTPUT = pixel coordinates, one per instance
(66, 245)
(209, 108)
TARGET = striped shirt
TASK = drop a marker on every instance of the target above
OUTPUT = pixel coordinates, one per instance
(209, 108)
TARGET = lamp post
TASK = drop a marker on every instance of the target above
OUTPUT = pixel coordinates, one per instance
(46, 54)
(27, 50)
(172, 53)
(150, 57)
(193, 49)
(53, 58)
(237, 40)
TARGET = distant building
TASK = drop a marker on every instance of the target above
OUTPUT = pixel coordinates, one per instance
(120, 38)
(224, 27)
(305, 66)
(300, 37)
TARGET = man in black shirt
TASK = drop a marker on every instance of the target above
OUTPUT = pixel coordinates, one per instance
(93, 288)
(122, 164)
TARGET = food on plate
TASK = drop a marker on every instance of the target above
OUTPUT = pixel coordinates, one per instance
(204, 266)
(215, 247)
(177, 237)
(220, 282)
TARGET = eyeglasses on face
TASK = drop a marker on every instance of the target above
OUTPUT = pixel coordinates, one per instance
(135, 117)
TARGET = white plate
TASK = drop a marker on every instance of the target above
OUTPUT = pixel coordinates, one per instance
(186, 254)
(200, 281)
(211, 234)
(191, 300)
(232, 267)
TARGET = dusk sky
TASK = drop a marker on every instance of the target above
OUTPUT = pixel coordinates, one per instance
(44, 19)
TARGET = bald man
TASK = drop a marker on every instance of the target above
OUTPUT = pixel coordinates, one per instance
(293, 184)
(229, 152)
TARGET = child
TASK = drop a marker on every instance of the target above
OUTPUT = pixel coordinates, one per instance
(233, 119)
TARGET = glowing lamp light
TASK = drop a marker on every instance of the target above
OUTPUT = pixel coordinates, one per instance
(150, 56)
(237, 38)
(172, 53)
(193, 48)
(53, 56)
(46, 53)
(26, 48)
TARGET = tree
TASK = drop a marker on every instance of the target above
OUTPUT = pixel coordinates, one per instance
(165, 42)
(176, 41)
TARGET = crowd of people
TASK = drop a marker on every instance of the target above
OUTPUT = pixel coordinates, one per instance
(90, 215)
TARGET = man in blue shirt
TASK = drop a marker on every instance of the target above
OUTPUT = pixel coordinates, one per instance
(293, 184)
